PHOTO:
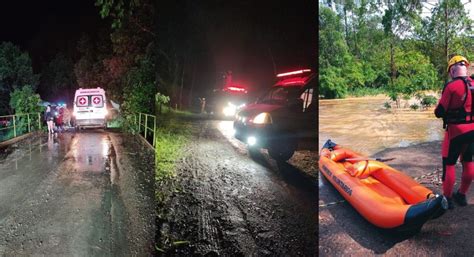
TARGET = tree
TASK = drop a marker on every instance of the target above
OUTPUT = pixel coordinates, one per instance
(439, 33)
(97, 66)
(333, 55)
(139, 90)
(332, 85)
(15, 72)
(24, 100)
(398, 21)
(85, 68)
(364, 63)
(59, 77)
(414, 73)
(132, 39)
(332, 47)
(135, 37)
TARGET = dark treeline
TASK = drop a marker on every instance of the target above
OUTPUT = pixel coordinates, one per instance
(394, 47)
(138, 49)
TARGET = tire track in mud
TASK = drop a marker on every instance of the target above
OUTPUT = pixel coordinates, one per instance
(226, 204)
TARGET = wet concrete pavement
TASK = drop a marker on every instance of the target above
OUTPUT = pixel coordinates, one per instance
(77, 194)
(228, 204)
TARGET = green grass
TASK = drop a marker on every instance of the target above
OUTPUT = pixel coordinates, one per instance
(172, 134)
(117, 122)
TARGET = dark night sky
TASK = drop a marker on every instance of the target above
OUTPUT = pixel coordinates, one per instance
(229, 35)
(42, 28)
(242, 36)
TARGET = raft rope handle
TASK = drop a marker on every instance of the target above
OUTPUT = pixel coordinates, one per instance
(343, 201)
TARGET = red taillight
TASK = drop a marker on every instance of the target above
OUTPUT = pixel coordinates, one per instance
(293, 81)
(293, 73)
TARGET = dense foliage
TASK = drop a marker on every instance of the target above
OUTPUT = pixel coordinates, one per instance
(15, 72)
(149, 51)
(394, 49)
(59, 77)
(25, 100)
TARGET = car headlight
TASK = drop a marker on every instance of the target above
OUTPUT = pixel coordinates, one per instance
(263, 118)
(230, 109)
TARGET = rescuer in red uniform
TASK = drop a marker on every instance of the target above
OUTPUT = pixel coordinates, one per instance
(455, 107)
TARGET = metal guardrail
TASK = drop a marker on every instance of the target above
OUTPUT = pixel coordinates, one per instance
(146, 127)
(12, 126)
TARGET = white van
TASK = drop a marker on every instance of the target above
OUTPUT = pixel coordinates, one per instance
(90, 108)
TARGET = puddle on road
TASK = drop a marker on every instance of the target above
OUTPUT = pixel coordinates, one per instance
(30, 155)
(90, 152)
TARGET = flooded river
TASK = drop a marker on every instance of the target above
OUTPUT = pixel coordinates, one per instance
(364, 125)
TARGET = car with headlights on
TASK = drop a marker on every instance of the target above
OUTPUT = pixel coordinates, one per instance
(224, 103)
(283, 119)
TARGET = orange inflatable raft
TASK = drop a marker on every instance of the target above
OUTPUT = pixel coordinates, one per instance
(384, 196)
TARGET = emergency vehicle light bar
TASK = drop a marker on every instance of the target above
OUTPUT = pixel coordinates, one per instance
(239, 89)
(293, 73)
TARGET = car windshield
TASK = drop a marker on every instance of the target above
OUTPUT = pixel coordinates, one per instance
(280, 95)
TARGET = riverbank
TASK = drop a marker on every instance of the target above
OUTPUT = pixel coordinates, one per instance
(421, 161)
(405, 103)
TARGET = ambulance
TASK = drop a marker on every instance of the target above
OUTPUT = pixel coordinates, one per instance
(90, 108)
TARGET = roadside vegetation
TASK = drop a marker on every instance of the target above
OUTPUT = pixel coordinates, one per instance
(365, 49)
(172, 134)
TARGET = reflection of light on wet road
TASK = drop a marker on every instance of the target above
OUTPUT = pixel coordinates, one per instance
(227, 127)
(105, 147)
(90, 150)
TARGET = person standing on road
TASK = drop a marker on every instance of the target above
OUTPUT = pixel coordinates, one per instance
(67, 117)
(456, 109)
(49, 117)
(59, 119)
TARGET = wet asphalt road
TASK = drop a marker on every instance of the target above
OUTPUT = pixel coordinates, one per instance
(77, 194)
(229, 204)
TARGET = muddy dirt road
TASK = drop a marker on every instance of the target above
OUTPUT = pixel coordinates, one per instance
(224, 203)
(343, 232)
(77, 194)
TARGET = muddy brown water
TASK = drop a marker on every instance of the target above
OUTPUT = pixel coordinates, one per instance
(364, 125)
(77, 194)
